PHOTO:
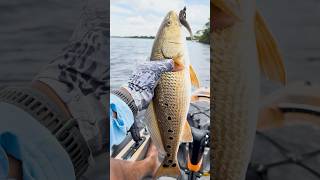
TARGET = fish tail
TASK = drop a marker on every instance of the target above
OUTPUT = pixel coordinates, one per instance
(171, 169)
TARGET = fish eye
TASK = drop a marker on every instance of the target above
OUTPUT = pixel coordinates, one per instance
(168, 23)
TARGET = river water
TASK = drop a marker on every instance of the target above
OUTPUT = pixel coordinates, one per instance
(127, 53)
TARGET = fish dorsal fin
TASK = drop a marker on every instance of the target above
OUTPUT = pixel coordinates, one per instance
(186, 134)
(270, 60)
(194, 78)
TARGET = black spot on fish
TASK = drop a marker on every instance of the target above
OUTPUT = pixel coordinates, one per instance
(165, 165)
(171, 138)
(169, 161)
(168, 146)
(169, 118)
(174, 165)
(169, 130)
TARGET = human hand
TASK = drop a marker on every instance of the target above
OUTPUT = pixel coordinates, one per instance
(133, 170)
(152, 158)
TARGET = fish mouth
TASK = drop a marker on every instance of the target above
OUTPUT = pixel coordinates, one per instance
(184, 22)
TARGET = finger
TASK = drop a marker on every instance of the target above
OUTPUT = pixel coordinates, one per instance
(178, 64)
(177, 67)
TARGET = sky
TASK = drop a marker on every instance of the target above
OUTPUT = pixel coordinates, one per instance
(143, 17)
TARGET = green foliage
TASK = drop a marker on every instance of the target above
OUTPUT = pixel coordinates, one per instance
(204, 35)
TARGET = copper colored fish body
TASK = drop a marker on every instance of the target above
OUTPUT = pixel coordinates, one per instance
(236, 52)
(166, 115)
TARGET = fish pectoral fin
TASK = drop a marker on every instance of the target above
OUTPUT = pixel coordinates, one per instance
(270, 59)
(194, 78)
(168, 171)
(186, 134)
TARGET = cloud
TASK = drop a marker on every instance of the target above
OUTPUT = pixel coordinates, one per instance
(198, 16)
(114, 9)
(135, 25)
(152, 5)
(143, 17)
(136, 20)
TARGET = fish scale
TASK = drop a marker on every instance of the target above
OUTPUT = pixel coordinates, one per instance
(231, 138)
(171, 110)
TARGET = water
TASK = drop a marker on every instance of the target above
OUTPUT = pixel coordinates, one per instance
(32, 33)
(127, 53)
